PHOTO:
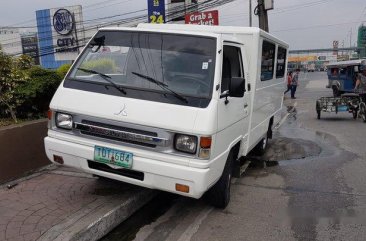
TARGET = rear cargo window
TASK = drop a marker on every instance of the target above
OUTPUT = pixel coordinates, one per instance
(268, 58)
(281, 62)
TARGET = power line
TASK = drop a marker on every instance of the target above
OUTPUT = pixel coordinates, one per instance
(179, 10)
(315, 26)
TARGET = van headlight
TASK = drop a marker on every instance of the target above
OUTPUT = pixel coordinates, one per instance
(185, 143)
(64, 121)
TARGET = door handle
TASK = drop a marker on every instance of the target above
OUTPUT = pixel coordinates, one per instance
(245, 106)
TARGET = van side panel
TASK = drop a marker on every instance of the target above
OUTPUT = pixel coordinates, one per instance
(267, 98)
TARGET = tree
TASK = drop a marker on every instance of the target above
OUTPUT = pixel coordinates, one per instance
(12, 74)
(62, 70)
(36, 93)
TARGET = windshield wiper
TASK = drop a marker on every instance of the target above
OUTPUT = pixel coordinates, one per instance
(162, 85)
(150, 79)
(105, 77)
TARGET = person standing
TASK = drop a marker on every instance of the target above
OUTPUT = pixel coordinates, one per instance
(360, 86)
(294, 83)
(289, 80)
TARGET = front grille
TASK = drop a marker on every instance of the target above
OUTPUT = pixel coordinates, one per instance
(120, 128)
(118, 133)
(122, 172)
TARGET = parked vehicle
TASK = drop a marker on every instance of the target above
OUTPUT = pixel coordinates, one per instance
(350, 102)
(311, 67)
(342, 76)
(178, 113)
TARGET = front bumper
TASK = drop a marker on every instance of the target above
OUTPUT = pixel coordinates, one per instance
(158, 174)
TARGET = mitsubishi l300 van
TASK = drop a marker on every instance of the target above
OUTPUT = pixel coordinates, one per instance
(169, 107)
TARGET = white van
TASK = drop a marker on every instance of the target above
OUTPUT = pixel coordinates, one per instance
(175, 112)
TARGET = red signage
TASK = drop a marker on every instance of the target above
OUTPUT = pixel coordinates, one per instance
(203, 18)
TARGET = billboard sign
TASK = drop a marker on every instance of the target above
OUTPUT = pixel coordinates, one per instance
(156, 11)
(65, 34)
(203, 18)
(342, 57)
(60, 35)
(304, 59)
(63, 21)
(331, 58)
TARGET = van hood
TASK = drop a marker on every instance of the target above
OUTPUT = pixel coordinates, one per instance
(128, 110)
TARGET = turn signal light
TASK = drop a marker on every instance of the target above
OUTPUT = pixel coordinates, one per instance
(205, 142)
(49, 114)
(205, 147)
(181, 188)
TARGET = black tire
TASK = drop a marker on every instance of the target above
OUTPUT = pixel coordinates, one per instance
(260, 148)
(363, 111)
(336, 92)
(354, 113)
(318, 109)
(219, 194)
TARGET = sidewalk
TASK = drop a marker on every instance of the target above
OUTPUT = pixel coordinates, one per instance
(63, 204)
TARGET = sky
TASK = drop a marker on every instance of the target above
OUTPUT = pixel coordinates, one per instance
(304, 24)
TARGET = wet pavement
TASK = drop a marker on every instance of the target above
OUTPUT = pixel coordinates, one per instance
(315, 190)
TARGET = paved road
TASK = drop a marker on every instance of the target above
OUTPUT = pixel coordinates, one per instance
(316, 192)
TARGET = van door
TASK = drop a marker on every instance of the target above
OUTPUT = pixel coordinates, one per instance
(233, 114)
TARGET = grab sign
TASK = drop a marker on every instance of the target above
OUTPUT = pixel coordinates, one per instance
(203, 18)
(156, 11)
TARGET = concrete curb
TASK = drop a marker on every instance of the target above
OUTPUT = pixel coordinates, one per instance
(92, 223)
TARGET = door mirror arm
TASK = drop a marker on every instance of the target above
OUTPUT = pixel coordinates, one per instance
(225, 94)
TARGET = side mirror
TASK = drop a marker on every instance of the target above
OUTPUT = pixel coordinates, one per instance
(237, 87)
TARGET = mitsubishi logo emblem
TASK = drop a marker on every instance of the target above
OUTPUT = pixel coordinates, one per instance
(122, 111)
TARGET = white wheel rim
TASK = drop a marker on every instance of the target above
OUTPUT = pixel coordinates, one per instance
(264, 143)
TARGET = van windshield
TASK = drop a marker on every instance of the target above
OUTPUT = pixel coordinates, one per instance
(157, 63)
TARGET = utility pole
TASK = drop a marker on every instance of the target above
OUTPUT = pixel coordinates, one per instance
(350, 38)
(250, 13)
(261, 11)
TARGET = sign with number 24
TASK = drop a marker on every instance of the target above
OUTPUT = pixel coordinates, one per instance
(156, 11)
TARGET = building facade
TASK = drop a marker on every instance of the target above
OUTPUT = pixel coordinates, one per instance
(361, 40)
(30, 46)
(10, 41)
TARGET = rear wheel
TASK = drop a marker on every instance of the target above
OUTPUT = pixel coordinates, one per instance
(318, 109)
(336, 92)
(354, 113)
(219, 194)
(363, 111)
(260, 148)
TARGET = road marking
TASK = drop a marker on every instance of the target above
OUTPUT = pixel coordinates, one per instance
(193, 228)
(285, 117)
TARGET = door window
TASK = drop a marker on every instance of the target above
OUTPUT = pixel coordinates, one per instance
(232, 66)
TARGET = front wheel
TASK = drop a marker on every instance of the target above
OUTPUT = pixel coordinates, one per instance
(219, 194)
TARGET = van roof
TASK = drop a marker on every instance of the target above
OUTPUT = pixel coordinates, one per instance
(212, 29)
(162, 30)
